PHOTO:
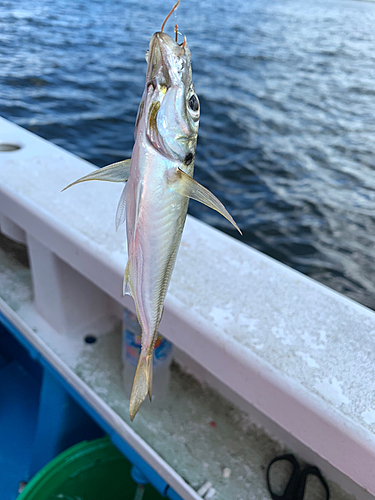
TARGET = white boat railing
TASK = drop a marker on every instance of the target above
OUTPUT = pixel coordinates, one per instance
(300, 353)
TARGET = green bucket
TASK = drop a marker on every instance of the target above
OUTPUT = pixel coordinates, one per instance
(91, 470)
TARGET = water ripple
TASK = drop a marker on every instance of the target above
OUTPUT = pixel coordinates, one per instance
(288, 111)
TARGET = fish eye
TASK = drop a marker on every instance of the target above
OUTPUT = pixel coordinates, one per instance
(146, 55)
(193, 103)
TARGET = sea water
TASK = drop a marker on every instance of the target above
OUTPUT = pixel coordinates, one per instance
(287, 95)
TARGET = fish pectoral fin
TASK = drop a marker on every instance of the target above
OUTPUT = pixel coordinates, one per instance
(187, 186)
(141, 384)
(116, 172)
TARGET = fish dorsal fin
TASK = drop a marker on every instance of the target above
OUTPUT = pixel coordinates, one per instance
(116, 172)
(187, 186)
(121, 209)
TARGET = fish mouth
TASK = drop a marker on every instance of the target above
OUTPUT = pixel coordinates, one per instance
(165, 60)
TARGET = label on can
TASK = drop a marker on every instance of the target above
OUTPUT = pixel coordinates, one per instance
(132, 341)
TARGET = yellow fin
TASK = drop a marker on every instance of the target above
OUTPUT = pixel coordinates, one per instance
(150, 380)
(187, 186)
(116, 172)
(141, 385)
(126, 288)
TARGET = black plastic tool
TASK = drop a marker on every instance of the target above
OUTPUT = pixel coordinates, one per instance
(295, 488)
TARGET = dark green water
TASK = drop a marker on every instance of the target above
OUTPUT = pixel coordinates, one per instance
(287, 134)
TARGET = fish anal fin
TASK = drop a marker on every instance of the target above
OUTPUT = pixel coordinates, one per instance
(126, 285)
(150, 379)
(187, 186)
(141, 384)
(116, 172)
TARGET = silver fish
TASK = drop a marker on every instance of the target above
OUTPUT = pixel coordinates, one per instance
(159, 185)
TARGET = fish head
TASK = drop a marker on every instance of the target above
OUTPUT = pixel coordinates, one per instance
(169, 111)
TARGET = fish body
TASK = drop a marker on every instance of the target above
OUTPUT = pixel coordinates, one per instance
(156, 196)
(165, 135)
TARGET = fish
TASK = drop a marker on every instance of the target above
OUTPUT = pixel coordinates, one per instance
(159, 183)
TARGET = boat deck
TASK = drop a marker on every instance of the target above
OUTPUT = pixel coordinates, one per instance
(195, 430)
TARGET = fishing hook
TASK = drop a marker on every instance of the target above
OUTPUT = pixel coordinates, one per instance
(169, 15)
(182, 45)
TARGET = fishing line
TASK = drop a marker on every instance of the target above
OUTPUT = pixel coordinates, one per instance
(176, 25)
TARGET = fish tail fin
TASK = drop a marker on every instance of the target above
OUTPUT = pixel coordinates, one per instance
(142, 384)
